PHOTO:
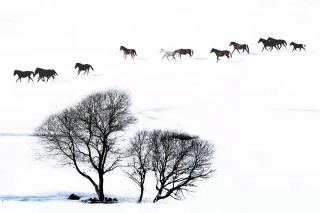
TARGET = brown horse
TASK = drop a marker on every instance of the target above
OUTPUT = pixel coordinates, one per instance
(221, 53)
(183, 52)
(236, 46)
(127, 51)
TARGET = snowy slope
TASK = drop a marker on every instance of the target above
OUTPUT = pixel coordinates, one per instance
(262, 111)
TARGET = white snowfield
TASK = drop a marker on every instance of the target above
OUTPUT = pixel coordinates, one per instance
(262, 110)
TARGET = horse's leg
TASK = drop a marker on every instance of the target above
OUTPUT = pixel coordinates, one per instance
(30, 79)
(238, 50)
(233, 50)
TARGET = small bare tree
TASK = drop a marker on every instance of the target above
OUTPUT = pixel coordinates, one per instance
(178, 161)
(86, 136)
(139, 160)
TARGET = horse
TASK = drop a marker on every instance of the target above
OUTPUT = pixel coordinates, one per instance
(236, 46)
(278, 42)
(267, 43)
(220, 53)
(183, 52)
(127, 51)
(83, 67)
(23, 74)
(297, 46)
(43, 73)
(167, 54)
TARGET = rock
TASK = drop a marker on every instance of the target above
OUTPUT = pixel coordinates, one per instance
(73, 197)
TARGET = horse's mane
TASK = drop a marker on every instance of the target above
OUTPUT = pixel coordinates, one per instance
(77, 64)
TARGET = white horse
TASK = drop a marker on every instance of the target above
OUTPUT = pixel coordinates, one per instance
(167, 53)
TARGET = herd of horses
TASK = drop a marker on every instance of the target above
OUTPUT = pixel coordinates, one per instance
(43, 74)
(268, 45)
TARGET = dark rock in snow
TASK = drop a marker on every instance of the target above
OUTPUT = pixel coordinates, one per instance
(73, 197)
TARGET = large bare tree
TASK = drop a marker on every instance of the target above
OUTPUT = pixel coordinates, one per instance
(86, 135)
(139, 161)
(178, 161)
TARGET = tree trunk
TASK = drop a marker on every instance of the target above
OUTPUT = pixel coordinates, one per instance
(141, 194)
(100, 192)
(158, 195)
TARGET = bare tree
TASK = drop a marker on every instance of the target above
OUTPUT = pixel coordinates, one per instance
(139, 160)
(178, 161)
(86, 136)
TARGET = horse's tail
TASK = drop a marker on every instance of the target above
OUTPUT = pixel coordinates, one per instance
(230, 54)
(134, 52)
(247, 47)
(191, 52)
(91, 67)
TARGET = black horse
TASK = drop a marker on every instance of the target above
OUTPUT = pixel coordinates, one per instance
(278, 42)
(83, 67)
(220, 53)
(267, 43)
(23, 74)
(297, 46)
(43, 73)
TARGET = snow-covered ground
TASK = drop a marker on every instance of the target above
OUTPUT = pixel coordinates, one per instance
(262, 111)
